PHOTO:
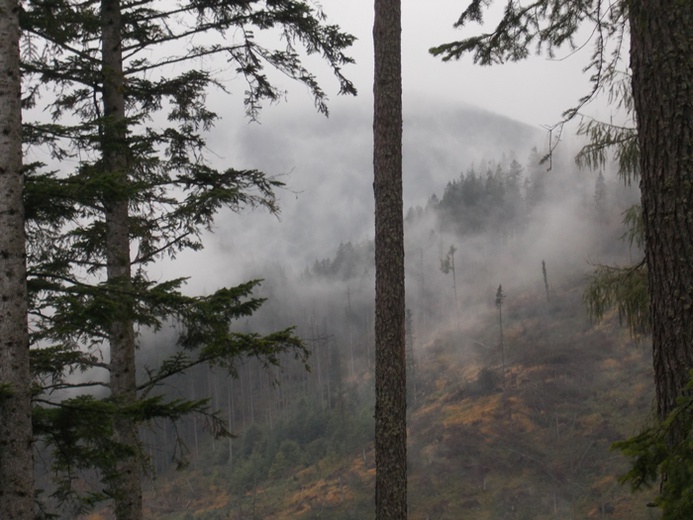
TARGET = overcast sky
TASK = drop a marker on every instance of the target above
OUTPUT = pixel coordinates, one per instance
(535, 91)
(326, 163)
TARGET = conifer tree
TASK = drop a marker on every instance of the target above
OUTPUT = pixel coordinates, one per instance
(620, 287)
(500, 298)
(16, 461)
(390, 363)
(140, 192)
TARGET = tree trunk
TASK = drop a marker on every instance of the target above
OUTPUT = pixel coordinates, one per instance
(127, 484)
(16, 460)
(662, 63)
(390, 366)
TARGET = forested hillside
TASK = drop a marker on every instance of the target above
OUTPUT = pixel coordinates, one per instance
(534, 444)
(522, 431)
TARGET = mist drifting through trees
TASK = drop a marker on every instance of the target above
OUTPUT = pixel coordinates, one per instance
(527, 221)
(481, 210)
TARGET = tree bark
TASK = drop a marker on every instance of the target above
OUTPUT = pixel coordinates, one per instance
(126, 484)
(662, 64)
(16, 459)
(390, 365)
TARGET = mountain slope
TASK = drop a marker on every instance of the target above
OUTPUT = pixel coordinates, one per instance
(532, 446)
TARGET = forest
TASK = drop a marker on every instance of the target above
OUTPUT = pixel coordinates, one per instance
(205, 313)
(304, 444)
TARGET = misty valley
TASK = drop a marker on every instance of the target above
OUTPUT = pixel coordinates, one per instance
(507, 418)
(420, 304)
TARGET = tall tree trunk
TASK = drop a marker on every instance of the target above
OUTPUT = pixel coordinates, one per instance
(662, 63)
(16, 461)
(126, 484)
(390, 366)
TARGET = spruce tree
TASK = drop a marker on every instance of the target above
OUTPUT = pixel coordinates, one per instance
(140, 192)
(16, 461)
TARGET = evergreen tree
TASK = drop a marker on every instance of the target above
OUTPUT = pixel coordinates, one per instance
(513, 203)
(500, 298)
(622, 287)
(390, 364)
(447, 265)
(16, 461)
(145, 190)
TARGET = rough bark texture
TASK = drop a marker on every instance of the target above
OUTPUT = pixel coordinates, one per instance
(126, 487)
(390, 366)
(662, 63)
(16, 461)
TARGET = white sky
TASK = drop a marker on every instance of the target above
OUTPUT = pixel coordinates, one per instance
(328, 162)
(535, 91)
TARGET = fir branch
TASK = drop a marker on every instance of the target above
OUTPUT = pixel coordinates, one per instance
(624, 288)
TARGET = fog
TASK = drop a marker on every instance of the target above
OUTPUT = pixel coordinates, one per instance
(316, 258)
(328, 200)
(326, 165)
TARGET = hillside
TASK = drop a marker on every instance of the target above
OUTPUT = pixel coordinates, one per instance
(535, 446)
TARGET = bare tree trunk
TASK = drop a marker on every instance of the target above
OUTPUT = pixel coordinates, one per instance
(390, 365)
(127, 484)
(16, 460)
(662, 63)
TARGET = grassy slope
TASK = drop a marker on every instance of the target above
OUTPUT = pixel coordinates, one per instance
(537, 449)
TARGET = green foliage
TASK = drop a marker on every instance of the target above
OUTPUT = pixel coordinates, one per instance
(635, 226)
(500, 297)
(288, 456)
(248, 473)
(624, 288)
(447, 263)
(349, 261)
(476, 204)
(6, 391)
(608, 140)
(80, 432)
(544, 26)
(173, 195)
(664, 453)
(487, 382)
(604, 138)
(307, 423)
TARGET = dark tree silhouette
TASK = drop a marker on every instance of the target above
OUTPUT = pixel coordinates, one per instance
(390, 365)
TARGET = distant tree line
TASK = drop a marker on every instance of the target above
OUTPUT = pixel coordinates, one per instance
(496, 198)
